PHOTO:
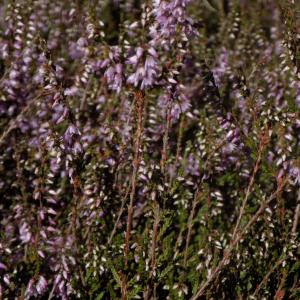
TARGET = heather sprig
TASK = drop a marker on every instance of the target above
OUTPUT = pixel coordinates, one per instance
(149, 149)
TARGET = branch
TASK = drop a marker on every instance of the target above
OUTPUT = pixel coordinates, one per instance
(297, 214)
(248, 192)
(234, 243)
(139, 98)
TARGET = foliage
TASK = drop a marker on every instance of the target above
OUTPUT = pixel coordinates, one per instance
(149, 149)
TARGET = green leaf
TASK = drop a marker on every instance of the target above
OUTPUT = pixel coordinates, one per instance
(135, 291)
(115, 275)
(208, 5)
(100, 296)
(165, 272)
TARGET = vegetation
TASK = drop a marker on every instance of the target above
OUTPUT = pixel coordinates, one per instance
(149, 149)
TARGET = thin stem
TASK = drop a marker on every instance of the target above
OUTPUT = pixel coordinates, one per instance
(124, 287)
(297, 214)
(249, 188)
(153, 249)
(164, 155)
(233, 244)
(178, 148)
(190, 225)
(195, 201)
(266, 277)
(139, 98)
(154, 238)
(119, 216)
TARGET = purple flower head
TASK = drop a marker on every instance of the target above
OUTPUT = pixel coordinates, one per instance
(180, 101)
(41, 285)
(71, 131)
(72, 91)
(30, 289)
(298, 93)
(36, 288)
(71, 140)
(146, 68)
(221, 68)
(113, 76)
(78, 50)
(3, 266)
(114, 69)
(171, 15)
(193, 167)
(295, 174)
(25, 233)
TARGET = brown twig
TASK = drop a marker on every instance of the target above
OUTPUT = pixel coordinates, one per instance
(164, 155)
(119, 216)
(180, 136)
(123, 287)
(296, 216)
(154, 237)
(250, 185)
(139, 98)
(266, 277)
(126, 193)
(153, 248)
(190, 226)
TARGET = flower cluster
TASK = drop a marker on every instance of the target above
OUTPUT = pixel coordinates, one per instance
(149, 149)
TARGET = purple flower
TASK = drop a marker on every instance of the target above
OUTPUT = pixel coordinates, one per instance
(146, 68)
(71, 133)
(41, 285)
(181, 102)
(25, 234)
(170, 15)
(78, 50)
(221, 67)
(114, 69)
(298, 93)
(30, 289)
(36, 288)
(193, 167)
(72, 91)
(295, 174)
(114, 76)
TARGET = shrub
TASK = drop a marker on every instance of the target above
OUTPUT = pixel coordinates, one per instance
(149, 149)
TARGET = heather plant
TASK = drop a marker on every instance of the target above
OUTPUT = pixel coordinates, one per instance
(149, 149)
